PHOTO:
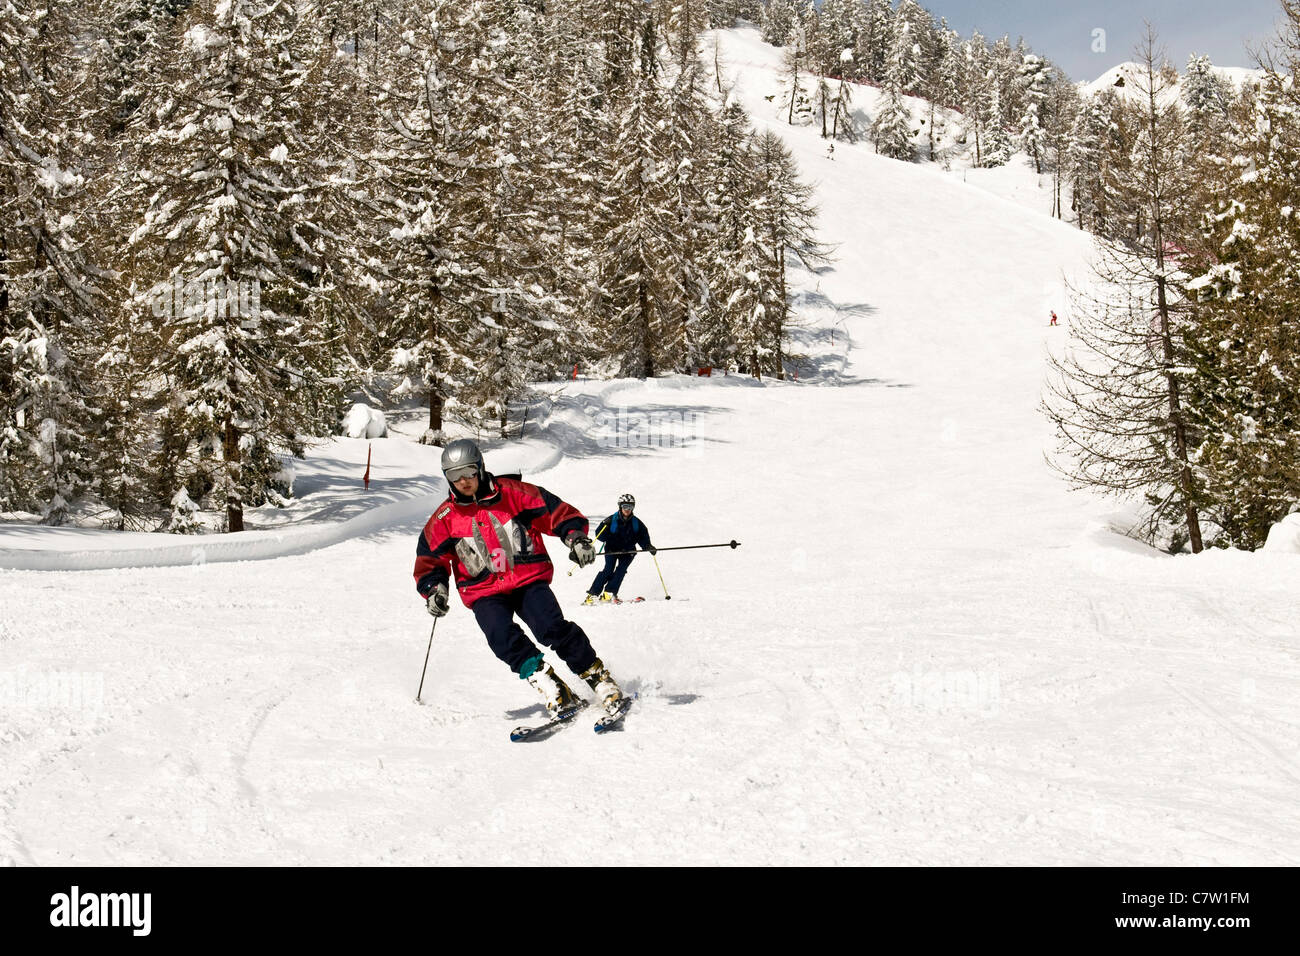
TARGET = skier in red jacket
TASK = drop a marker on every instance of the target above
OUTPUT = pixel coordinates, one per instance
(488, 534)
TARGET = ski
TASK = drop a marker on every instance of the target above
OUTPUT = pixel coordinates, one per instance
(608, 722)
(552, 726)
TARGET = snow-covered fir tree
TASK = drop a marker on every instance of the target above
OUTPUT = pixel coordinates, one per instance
(228, 169)
(997, 139)
(1244, 398)
(635, 245)
(777, 21)
(1034, 78)
(730, 177)
(1094, 140)
(786, 217)
(1207, 97)
(50, 290)
(892, 126)
(875, 36)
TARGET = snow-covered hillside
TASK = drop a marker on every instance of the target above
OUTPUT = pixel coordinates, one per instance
(1130, 73)
(925, 651)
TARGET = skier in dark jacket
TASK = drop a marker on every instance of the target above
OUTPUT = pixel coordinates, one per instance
(488, 534)
(619, 532)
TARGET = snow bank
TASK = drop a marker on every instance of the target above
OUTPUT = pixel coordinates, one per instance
(1284, 537)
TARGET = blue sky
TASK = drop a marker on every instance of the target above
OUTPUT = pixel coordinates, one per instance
(1065, 32)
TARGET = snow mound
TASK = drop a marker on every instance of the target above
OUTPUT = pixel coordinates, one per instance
(1284, 537)
(362, 421)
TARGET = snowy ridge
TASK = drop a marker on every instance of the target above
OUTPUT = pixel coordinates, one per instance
(1131, 73)
(247, 546)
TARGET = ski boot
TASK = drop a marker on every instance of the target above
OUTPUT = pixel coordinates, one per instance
(609, 598)
(607, 692)
(555, 692)
(590, 599)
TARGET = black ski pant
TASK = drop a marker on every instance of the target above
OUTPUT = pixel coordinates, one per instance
(610, 578)
(536, 606)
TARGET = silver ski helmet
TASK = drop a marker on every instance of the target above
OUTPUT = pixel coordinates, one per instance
(461, 458)
(626, 501)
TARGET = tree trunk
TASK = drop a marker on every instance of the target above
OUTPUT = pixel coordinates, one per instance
(1186, 480)
(435, 393)
(233, 464)
(646, 357)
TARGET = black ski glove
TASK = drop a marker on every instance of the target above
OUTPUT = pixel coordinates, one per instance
(437, 603)
(580, 549)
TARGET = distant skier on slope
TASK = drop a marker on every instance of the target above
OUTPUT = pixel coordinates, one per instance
(619, 532)
(488, 533)
(1053, 318)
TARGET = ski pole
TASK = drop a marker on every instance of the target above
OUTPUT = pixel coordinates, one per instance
(667, 596)
(684, 547)
(420, 692)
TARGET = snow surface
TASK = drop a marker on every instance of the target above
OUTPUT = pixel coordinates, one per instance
(926, 650)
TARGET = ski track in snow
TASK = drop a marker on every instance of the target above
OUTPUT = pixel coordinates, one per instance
(926, 650)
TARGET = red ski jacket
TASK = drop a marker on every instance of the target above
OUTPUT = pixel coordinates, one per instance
(492, 543)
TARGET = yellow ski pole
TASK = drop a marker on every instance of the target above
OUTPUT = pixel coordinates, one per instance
(655, 559)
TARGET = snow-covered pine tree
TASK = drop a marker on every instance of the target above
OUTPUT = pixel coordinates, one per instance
(777, 20)
(637, 240)
(913, 45)
(875, 36)
(1095, 138)
(1063, 106)
(1034, 79)
(834, 34)
(972, 89)
(892, 126)
(412, 186)
(123, 434)
(132, 42)
(573, 128)
(681, 22)
(794, 62)
(731, 179)
(842, 122)
(508, 201)
(754, 304)
(689, 134)
(942, 84)
(1244, 399)
(49, 288)
(823, 105)
(1116, 397)
(997, 140)
(225, 177)
(786, 217)
(1207, 97)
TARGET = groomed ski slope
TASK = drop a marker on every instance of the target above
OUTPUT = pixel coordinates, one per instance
(926, 650)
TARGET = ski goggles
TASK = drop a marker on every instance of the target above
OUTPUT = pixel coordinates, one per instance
(461, 471)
